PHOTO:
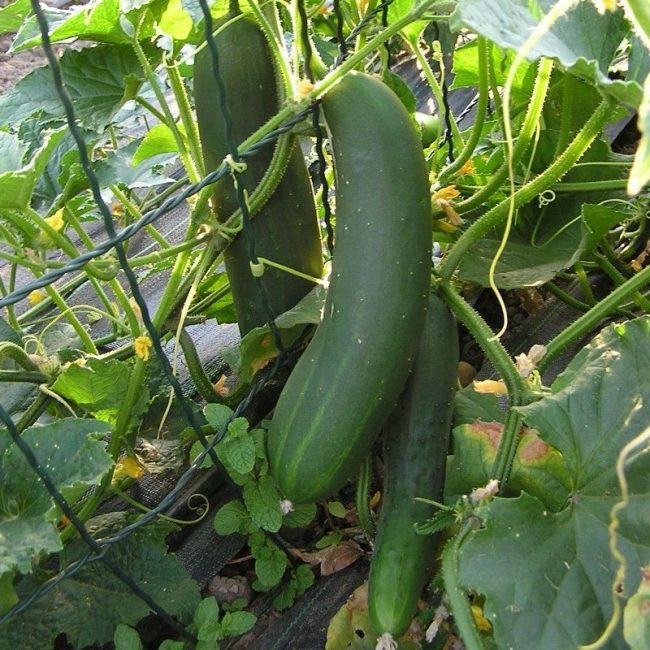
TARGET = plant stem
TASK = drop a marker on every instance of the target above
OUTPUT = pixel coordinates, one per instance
(24, 376)
(619, 279)
(481, 109)
(458, 602)
(187, 116)
(526, 133)
(167, 116)
(33, 411)
(584, 284)
(492, 347)
(200, 378)
(136, 214)
(595, 315)
(544, 181)
(507, 448)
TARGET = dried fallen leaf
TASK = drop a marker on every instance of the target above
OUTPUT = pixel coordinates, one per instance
(333, 558)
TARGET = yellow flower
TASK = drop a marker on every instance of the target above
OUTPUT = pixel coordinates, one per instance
(467, 168)
(56, 220)
(446, 193)
(490, 386)
(304, 87)
(142, 346)
(35, 297)
(127, 466)
(606, 5)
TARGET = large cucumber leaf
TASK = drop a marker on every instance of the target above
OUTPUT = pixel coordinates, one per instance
(547, 576)
(75, 460)
(89, 605)
(584, 41)
(99, 80)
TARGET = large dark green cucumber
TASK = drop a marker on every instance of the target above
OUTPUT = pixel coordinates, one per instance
(286, 230)
(349, 378)
(416, 440)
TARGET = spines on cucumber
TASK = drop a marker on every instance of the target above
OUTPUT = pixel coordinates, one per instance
(415, 442)
(351, 374)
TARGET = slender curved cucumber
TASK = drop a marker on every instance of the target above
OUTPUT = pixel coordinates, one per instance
(416, 441)
(349, 378)
(286, 229)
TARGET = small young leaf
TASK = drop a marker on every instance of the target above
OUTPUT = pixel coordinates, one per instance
(217, 415)
(238, 428)
(126, 638)
(270, 561)
(168, 644)
(232, 518)
(206, 617)
(329, 540)
(336, 509)
(301, 515)
(262, 500)
(238, 453)
(237, 623)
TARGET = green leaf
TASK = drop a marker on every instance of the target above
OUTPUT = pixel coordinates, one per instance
(262, 500)
(99, 22)
(126, 638)
(237, 623)
(330, 539)
(100, 387)
(547, 237)
(158, 139)
(95, 78)
(537, 467)
(75, 461)
(560, 595)
(638, 13)
(301, 515)
(232, 518)
(217, 415)
(470, 406)
(636, 618)
(594, 407)
(206, 620)
(640, 174)
(168, 644)
(336, 509)
(119, 168)
(466, 70)
(12, 152)
(89, 605)
(238, 453)
(238, 428)
(270, 561)
(308, 310)
(17, 185)
(13, 15)
(8, 595)
(583, 41)
(400, 88)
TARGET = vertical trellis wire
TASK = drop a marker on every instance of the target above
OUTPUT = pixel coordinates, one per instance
(315, 120)
(98, 549)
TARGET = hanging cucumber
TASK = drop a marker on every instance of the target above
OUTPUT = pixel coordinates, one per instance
(416, 440)
(286, 228)
(348, 379)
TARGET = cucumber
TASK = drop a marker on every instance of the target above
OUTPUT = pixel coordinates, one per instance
(286, 229)
(415, 441)
(347, 381)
